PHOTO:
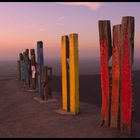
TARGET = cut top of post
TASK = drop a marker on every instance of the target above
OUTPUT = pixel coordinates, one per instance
(73, 34)
(104, 28)
(32, 51)
(65, 39)
(27, 52)
(74, 37)
(40, 44)
(21, 56)
(128, 29)
(105, 35)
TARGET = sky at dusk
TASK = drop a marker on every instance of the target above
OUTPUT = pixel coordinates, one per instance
(23, 24)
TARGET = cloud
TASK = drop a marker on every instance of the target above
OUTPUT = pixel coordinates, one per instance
(35, 28)
(92, 5)
(40, 29)
(59, 21)
(60, 18)
(60, 24)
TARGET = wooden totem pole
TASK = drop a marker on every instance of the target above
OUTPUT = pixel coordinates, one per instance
(127, 57)
(22, 66)
(24, 60)
(70, 74)
(40, 63)
(106, 52)
(33, 69)
(115, 99)
(19, 68)
(50, 82)
(27, 63)
(46, 83)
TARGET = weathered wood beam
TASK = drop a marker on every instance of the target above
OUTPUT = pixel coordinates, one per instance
(105, 54)
(127, 40)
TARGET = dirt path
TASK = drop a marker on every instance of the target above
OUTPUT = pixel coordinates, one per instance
(22, 116)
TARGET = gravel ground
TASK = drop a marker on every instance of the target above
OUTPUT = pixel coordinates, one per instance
(23, 117)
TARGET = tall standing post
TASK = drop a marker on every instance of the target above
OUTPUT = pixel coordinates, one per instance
(65, 73)
(115, 99)
(33, 68)
(40, 63)
(106, 52)
(70, 74)
(22, 66)
(18, 68)
(49, 82)
(74, 73)
(44, 83)
(27, 68)
(127, 56)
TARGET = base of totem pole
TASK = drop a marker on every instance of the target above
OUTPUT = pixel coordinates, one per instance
(62, 112)
(41, 101)
(24, 86)
(31, 90)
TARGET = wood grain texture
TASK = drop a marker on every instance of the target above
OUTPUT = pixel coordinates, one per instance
(115, 100)
(105, 54)
(65, 47)
(74, 74)
(127, 36)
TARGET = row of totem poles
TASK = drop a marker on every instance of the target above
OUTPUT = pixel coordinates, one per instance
(35, 75)
(116, 73)
(38, 77)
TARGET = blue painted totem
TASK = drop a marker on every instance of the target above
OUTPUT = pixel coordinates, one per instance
(40, 63)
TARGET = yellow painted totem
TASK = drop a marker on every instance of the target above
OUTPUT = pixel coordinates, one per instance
(70, 73)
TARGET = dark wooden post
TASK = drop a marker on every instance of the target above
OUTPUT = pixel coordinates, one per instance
(49, 82)
(22, 66)
(27, 67)
(115, 99)
(106, 52)
(18, 68)
(33, 68)
(127, 40)
(44, 83)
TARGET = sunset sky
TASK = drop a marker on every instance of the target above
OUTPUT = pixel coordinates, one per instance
(23, 24)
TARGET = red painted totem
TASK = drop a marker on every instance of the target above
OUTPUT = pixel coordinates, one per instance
(106, 50)
(116, 80)
(127, 56)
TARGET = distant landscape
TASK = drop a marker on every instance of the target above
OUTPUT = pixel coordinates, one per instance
(86, 66)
